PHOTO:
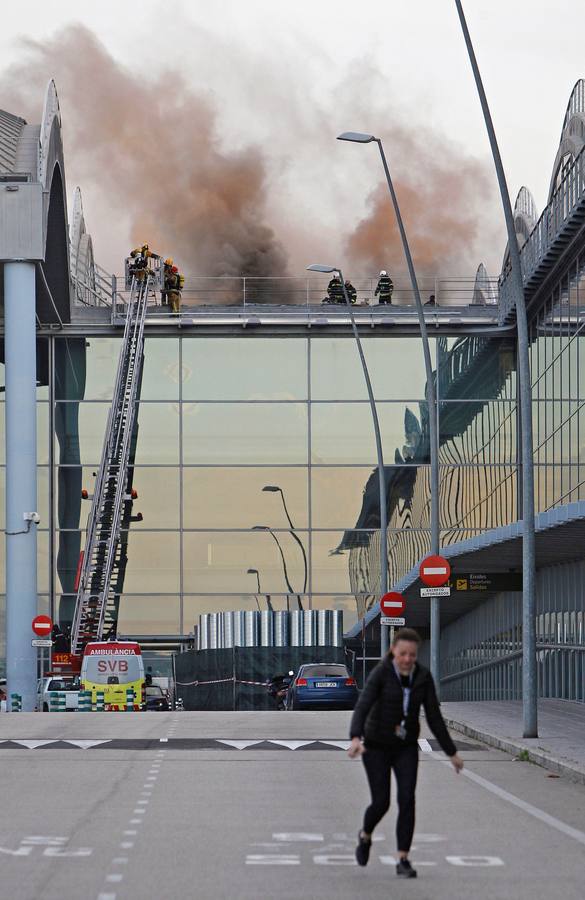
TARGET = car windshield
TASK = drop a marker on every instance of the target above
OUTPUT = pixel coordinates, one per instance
(324, 671)
(154, 691)
(58, 684)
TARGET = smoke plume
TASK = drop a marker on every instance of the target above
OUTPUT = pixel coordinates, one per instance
(443, 197)
(154, 144)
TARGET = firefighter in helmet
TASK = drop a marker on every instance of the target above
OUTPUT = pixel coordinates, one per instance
(176, 284)
(168, 279)
(385, 287)
(334, 291)
(351, 291)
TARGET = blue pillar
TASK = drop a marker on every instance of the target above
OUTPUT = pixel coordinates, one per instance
(21, 478)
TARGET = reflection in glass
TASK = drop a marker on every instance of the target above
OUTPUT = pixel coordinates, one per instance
(477, 367)
(157, 433)
(233, 497)
(244, 369)
(80, 429)
(477, 432)
(342, 433)
(478, 497)
(396, 368)
(153, 561)
(86, 369)
(271, 433)
(149, 615)
(218, 562)
(160, 373)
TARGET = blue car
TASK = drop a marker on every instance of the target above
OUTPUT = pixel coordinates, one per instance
(322, 686)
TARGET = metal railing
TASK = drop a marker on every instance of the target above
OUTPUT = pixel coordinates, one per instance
(228, 291)
(568, 198)
(96, 291)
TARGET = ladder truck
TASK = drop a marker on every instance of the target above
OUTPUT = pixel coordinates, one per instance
(102, 565)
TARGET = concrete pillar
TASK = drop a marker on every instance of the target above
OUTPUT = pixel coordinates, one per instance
(21, 478)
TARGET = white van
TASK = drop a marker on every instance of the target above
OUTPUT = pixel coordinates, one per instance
(68, 685)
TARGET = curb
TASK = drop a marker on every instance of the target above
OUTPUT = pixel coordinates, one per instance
(538, 756)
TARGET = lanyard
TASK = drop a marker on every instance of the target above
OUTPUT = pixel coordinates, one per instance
(405, 690)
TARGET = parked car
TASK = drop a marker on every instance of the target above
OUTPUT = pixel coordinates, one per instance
(157, 698)
(322, 685)
(70, 686)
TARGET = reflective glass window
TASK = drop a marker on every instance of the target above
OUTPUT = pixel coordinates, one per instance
(161, 371)
(255, 433)
(219, 562)
(85, 369)
(477, 367)
(158, 434)
(477, 432)
(244, 368)
(477, 497)
(234, 497)
(342, 433)
(348, 497)
(346, 562)
(396, 367)
(79, 431)
(149, 614)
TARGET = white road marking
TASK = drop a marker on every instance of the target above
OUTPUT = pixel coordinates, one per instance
(135, 822)
(139, 812)
(292, 745)
(429, 838)
(44, 840)
(119, 860)
(239, 745)
(391, 861)
(481, 861)
(59, 851)
(114, 878)
(32, 745)
(164, 740)
(126, 845)
(292, 836)
(86, 745)
(343, 745)
(539, 814)
(424, 745)
(334, 859)
(264, 859)
(131, 831)
(143, 802)
(106, 897)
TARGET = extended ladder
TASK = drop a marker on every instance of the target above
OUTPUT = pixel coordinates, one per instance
(95, 594)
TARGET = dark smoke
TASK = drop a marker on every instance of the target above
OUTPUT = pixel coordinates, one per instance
(152, 144)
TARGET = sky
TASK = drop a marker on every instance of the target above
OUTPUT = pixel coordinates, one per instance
(165, 107)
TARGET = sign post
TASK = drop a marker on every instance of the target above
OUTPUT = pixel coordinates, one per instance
(434, 572)
(392, 605)
(42, 626)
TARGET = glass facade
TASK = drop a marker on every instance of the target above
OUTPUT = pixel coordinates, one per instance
(255, 462)
(258, 453)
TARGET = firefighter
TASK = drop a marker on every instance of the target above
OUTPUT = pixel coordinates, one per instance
(176, 284)
(351, 291)
(334, 291)
(168, 279)
(385, 287)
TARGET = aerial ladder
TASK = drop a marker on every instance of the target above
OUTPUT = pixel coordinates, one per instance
(105, 551)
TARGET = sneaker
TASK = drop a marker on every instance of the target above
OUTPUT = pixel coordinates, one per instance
(362, 851)
(405, 870)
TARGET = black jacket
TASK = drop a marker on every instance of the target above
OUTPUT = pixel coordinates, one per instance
(379, 708)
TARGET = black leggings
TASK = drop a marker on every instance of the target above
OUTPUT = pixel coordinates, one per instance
(379, 761)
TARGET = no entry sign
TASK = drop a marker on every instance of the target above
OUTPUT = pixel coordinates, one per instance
(434, 571)
(42, 626)
(392, 604)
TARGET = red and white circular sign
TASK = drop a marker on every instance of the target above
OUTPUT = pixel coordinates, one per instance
(392, 604)
(42, 626)
(434, 571)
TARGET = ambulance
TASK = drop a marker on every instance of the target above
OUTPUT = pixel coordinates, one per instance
(113, 667)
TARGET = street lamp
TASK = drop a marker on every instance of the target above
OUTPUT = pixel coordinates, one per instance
(379, 452)
(529, 672)
(257, 574)
(359, 138)
(274, 488)
(285, 570)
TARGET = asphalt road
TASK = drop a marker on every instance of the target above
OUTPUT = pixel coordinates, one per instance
(202, 805)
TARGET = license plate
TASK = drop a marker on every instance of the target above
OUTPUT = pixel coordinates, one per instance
(326, 684)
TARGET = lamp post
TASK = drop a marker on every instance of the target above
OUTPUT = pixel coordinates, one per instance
(257, 574)
(274, 488)
(529, 672)
(379, 451)
(359, 138)
(284, 568)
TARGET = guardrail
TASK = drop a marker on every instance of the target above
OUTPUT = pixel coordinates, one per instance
(568, 198)
(228, 291)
